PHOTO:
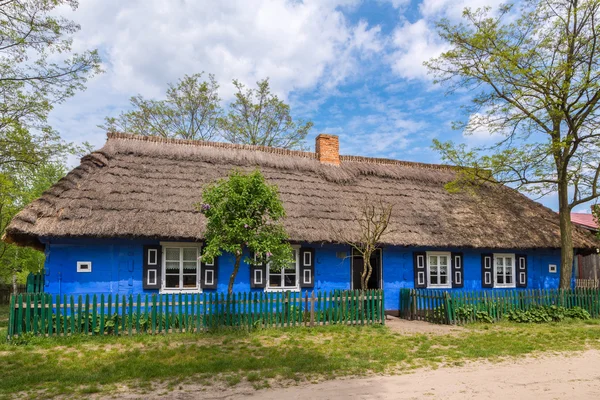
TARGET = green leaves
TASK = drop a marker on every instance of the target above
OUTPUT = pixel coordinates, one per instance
(259, 117)
(244, 212)
(191, 111)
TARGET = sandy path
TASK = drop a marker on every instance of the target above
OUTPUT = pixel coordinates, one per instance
(546, 377)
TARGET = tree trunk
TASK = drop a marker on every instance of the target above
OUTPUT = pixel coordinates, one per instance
(369, 271)
(364, 278)
(566, 236)
(14, 282)
(236, 267)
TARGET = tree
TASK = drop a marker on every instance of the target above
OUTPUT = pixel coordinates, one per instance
(243, 212)
(20, 187)
(596, 214)
(36, 73)
(259, 117)
(371, 225)
(190, 111)
(536, 74)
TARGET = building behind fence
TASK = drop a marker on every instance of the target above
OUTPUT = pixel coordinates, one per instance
(44, 314)
(457, 307)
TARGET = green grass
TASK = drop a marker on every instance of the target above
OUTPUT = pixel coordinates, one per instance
(78, 366)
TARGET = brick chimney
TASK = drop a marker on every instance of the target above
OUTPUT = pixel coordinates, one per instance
(328, 149)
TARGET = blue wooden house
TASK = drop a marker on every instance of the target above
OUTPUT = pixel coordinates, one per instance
(124, 222)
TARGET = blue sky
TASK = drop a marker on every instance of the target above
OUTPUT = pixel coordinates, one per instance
(353, 67)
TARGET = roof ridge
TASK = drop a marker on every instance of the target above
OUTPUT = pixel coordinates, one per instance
(205, 143)
(275, 150)
(391, 161)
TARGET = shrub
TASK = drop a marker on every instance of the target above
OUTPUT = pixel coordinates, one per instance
(466, 313)
(545, 314)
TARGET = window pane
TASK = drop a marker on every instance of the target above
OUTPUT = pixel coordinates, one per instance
(443, 280)
(290, 280)
(172, 267)
(189, 281)
(500, 271)
(190, 254)
(275, 280)
(291, 269)
(508, 278)
(433, 261)
(189, 267)
(443, 269)
(172, 254)
(443, 260)
(172, 281)
(434, 279)
(508, 262)
(500, 279)
(499, 261)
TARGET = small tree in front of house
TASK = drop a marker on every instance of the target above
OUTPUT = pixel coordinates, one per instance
(244, 213)
(371, 224)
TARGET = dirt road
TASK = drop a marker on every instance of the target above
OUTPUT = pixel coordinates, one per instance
(546, 377)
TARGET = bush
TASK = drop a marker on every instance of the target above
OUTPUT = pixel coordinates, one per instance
(466, 313)
(547, 314)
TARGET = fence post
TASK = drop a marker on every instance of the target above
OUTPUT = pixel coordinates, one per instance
(312, 308)
(448, 306)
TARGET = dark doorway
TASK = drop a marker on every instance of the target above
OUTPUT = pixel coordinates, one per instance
(357, 269)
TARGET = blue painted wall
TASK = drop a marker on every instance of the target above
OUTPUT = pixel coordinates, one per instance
(117, 268)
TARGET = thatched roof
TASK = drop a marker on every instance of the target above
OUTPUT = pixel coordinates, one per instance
(141, 187)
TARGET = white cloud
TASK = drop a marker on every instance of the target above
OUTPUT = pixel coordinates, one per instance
(418, 41)
(414, 43)
(147, 43)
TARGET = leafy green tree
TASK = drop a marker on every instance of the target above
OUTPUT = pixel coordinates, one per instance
(36, 73)
(259, 117)
(243, 213)
(20, 187)
(535, 75)
(38, 70)
(190, 111)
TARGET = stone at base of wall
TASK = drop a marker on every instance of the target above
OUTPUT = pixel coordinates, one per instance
(393, 313)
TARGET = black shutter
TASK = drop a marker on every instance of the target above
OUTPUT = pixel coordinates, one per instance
(209, 274)
(521, 270)
(258, 275)
(152, 267)
(487, 270)
(457, 270)
(420, 269)
(307, 267)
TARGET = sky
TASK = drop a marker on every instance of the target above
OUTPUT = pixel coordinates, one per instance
(354, 68)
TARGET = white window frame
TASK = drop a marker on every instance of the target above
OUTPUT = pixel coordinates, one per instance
(448, 284)
(514, 270)
(153, 252)
(80, 263)
(154, 273)
(197, 288)
(296, 288)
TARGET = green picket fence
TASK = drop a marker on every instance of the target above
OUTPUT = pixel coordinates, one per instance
(44, 314)
(35, 282)
(459, 307)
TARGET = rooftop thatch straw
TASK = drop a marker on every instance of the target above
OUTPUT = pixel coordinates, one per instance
(145, 187)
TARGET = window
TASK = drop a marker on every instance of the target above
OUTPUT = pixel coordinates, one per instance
(504, 270)
(84, 266)
(180, 267)
(151, 277)
(287, 278)
(152, 257)
(438, 270)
